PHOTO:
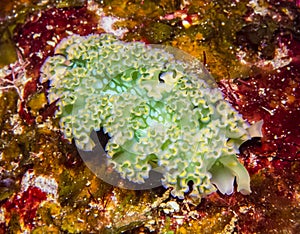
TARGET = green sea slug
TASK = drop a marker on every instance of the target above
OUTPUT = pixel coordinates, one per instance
(161, 113)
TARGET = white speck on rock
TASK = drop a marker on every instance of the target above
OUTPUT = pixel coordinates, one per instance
(107, 23)
(170, 207)
(44, 183)
(258, 9)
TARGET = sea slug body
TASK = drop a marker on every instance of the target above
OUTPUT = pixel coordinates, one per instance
(159, 112)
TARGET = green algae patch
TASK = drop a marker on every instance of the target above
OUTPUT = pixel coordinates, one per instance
(7, 49)
(8, 104)
(216, 222)
(70, 187)
(46, 229)
(159, 32)
(134, 9)
(37, 102)
(217, 46)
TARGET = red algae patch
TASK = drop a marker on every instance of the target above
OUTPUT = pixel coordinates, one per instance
(36, 39)
(274, 98)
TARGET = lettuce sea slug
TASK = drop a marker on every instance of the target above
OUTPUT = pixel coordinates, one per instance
(159, 111)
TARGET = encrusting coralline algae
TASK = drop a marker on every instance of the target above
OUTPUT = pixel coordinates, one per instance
(158, 112)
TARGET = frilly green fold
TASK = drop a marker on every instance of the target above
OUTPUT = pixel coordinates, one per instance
(158, 113)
